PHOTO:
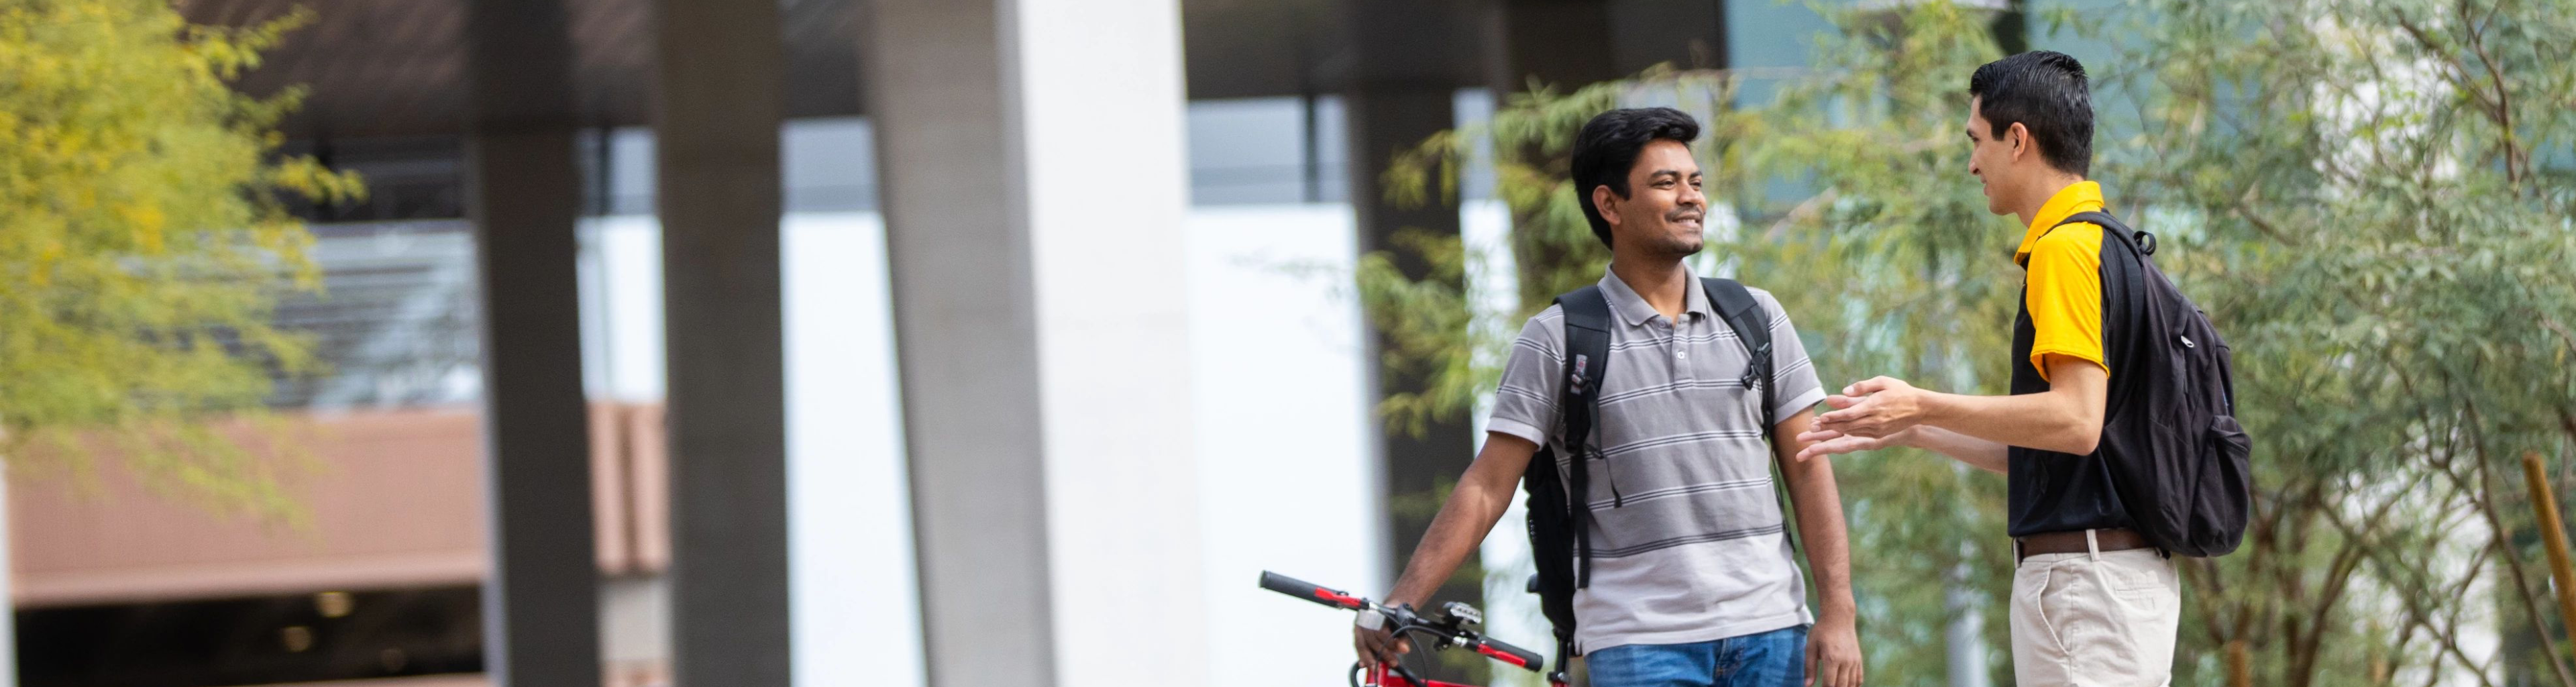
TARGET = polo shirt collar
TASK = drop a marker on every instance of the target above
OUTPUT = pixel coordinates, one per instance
(2082, 196)
(1633, 308)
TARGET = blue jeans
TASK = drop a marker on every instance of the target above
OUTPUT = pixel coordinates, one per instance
(1771, 659)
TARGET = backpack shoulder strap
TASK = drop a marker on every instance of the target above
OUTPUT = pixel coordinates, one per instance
(2124, 302)
(1587, 357)
(1735, 304)
(1587, 345)
(2144, 242)
(1752, 326)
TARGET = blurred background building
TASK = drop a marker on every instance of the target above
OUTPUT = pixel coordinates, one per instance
(833, 342)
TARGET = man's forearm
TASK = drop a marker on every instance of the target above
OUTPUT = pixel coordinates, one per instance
(1819, 504)
(1977, 453)
(2067, 418)
(1459, 528)
(2042, 421)
(1820, 524)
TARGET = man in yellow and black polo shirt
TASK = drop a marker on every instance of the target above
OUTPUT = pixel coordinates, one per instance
(2092, 603)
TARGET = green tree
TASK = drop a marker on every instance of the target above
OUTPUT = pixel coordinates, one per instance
(2370, 197)
(2373, 198)
(143, 244)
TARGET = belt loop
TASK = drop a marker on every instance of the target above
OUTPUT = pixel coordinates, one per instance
(2093, 545)
(2016, 551)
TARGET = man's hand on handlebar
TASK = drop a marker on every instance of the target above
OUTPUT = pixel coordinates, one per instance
(1377, 646)
(1378, 636)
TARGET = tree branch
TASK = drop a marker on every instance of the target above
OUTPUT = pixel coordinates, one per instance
(2503, 100)
(2417, 615)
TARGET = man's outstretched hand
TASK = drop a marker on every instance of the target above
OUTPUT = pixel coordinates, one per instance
(1826, 442)
(1871, 414)
(1875, 407)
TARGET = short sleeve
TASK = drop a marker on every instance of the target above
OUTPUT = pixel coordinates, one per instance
(1525, 401)
(1792, 374)
(2065, 297)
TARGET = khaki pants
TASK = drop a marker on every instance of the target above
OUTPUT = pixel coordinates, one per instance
(2095, 619)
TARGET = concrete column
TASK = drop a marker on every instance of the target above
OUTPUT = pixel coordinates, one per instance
(1385, 119)
(1100, 130)
(1965, 652)
(1034, 188)
(1400, 91)
(719, 105)
(955, 203)
(523, 191)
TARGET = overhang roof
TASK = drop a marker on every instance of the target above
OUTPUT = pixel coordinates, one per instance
(397, 67)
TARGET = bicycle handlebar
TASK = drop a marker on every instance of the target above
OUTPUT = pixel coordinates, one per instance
(1497, 650)
(1404, 619)
(1310, 591)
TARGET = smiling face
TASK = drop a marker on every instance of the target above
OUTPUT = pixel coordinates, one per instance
(1989, 158)
(1664, 209)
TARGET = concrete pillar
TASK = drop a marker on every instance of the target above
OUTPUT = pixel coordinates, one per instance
(1964, 654)
(965, 337)
(1400, 91)
(720, 98)
(1034, 188)
(523, 192)
(1385, 119)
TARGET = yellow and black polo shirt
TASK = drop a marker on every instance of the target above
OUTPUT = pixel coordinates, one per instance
(2062, 279)
(2061, 316)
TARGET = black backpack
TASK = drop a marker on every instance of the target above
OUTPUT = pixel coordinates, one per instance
(1560, 515)
(2178, 460)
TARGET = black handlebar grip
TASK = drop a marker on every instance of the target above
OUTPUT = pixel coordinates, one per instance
(1507, 653)
(1309, 591)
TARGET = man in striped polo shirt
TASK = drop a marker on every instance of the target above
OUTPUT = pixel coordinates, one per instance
(1694, 580)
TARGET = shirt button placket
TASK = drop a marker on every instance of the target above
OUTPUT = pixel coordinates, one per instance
(1681, 356)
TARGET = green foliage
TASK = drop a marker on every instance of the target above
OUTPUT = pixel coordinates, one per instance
(2372, 198)
(2375, 206)
(142, 246)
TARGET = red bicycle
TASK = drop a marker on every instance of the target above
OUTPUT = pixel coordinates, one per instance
(1446, 628)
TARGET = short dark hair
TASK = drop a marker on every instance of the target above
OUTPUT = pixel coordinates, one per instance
(1608, 146)
(2044, 92)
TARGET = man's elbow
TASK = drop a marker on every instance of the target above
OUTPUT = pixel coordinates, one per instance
(2080, 436)
(2079, 396)
(2083, 444)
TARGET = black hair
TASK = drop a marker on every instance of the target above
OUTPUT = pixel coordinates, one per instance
(2044, 92)
(1608, 146)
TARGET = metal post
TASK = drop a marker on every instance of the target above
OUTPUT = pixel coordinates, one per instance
(2553, 536)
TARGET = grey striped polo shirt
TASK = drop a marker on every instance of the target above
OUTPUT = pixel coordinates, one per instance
(1693, 549)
